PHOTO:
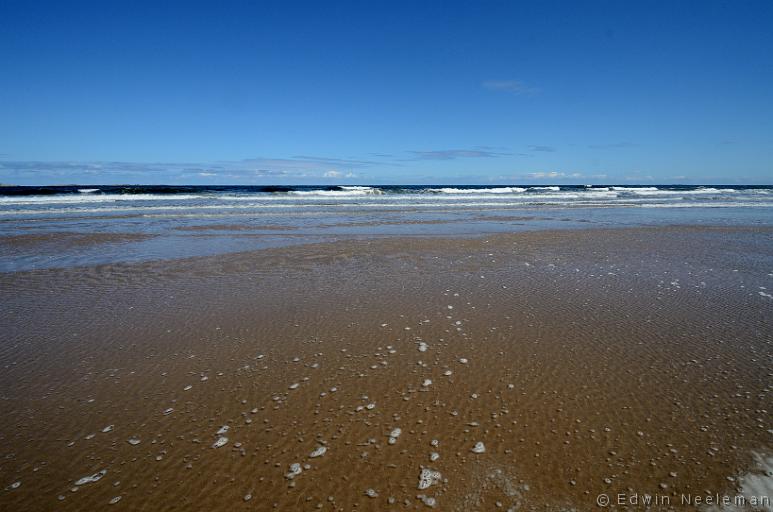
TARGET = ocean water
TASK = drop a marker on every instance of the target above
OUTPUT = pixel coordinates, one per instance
(142, 199)
(159, 222)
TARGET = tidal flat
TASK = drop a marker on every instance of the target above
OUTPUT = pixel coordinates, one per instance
(522, 371)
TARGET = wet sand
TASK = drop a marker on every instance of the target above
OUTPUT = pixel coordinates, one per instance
(234, 227)
(632, 361)
(54, 241)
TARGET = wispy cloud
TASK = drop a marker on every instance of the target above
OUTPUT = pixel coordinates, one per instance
(452, 154)
(301, 167)
(107, 168)
(554, 175)
(546, 149)
(339, 174)
(614, 145)
(544, 178)
(334, 161)
(511, 86)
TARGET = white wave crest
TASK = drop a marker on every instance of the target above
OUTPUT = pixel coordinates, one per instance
(496, 190)
(345, 191)
(652, 191)
(634, 189)
(92, 198)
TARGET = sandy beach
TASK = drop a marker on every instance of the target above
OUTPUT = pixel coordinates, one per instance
(376, 256)
(523, 371)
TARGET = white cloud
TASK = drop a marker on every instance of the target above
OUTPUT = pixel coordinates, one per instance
(552, 174)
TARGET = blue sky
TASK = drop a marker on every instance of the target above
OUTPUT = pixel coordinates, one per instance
(386, 92)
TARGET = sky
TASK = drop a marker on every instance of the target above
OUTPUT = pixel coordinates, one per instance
(391, 92)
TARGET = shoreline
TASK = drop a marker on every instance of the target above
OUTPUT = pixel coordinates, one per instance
(292, 241)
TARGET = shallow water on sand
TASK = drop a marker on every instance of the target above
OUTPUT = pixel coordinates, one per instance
(587, 362)
(56, 238)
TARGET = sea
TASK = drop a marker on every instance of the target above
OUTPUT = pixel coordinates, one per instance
(63, 226)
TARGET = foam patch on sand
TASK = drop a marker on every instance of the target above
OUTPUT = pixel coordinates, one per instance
(488, 480)
(757, 485)
(428, 478)
(319, 452)
(754, 491)
(91, 478)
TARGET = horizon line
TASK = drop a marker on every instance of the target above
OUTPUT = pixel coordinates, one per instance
(490, 185)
